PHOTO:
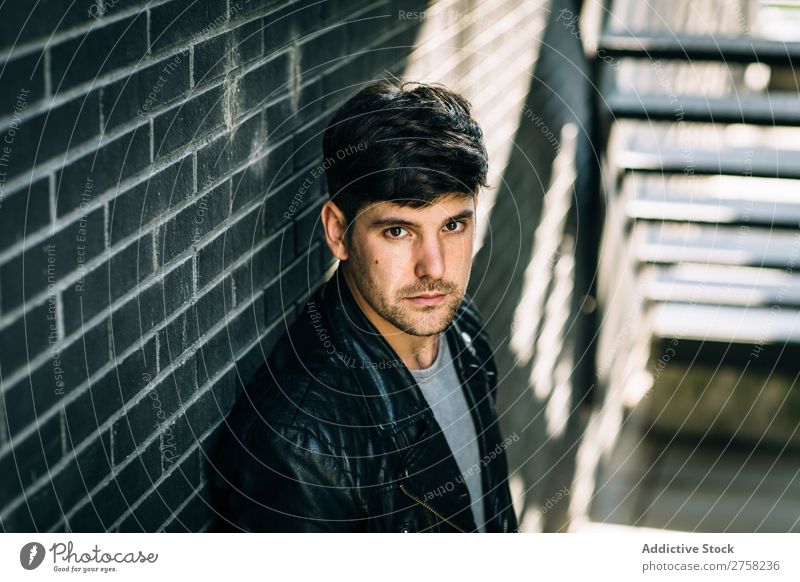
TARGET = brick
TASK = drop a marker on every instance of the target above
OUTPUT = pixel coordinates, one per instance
(182, 481)
(270, 260)
(59, 255)
(136, 317)
(259, 177)
(153, 305)
(193, 223)
(83, 357)
(143, 419)
(141, 471)
(145, 90)
(120, 43)
(87, 413)
(29, 71)
(367, 26)
(281, 119)
(83, 471)
(307, 144)
(182, 380)
(176, 21)
(132, 375)
(212, 307)
(284, 203)
(53, 132)
(111, 500)
(178, 335)
(31, 458)
(232, 245)
(252, 276)
(322, 51)
(265, 82)
(21, 23)
(101, 511)
(298, 278)
(25, 338)
(38, 513)
(290, 22)
(114, 161)
(24, 212)
(222, 54)
(223, 348)
(110, 7)
(228, 152)
(189, 121)
(133, 210)
(308, 225)
(343, 76)
(242, 8)
(106, 283)
(310, 98)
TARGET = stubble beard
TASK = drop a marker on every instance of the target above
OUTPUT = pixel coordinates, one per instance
(424, 321)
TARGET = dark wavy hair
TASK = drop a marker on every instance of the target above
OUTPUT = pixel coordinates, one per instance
(410, 143)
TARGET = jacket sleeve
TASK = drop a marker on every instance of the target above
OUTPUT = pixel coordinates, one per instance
(288, 480)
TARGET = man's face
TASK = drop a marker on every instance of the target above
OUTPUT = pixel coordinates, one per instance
(411, 265)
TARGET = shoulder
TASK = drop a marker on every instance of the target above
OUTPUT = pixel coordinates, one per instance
(300, 402)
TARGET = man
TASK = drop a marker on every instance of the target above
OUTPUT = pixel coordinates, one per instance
(375, 411)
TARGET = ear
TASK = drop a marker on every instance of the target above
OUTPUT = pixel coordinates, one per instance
(335, 225)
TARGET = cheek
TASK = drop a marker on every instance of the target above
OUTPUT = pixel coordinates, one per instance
(385, 265)
(459, 256)
(391, 260)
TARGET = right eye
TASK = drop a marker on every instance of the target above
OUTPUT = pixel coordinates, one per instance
(395, 232)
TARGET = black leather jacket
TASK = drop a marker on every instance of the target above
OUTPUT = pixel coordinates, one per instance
(333, 433)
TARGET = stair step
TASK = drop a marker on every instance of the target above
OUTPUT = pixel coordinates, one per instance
(775, 109)
(705, 149)
(664, 242)
(731, 200)
(722, 323)
(695, 47)
(734, 286)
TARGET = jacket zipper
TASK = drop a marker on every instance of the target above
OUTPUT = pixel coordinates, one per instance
(405, 490)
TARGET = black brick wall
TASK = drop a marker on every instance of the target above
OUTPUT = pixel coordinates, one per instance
(148, 153)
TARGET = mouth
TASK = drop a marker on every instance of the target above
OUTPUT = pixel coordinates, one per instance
(427, 298)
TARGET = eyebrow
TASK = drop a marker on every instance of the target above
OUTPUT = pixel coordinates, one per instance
(396, 221)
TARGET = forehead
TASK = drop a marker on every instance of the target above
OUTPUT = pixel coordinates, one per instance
(446, 206)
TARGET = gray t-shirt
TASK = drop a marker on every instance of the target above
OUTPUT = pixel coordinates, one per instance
(442, 390)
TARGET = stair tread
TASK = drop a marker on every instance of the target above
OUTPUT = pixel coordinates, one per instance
(729, 324)
(706, 148)
(743, 286)
(661, 242)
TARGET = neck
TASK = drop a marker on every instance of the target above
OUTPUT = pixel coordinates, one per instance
(416, 352)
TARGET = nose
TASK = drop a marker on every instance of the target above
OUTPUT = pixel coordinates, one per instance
(430, 259)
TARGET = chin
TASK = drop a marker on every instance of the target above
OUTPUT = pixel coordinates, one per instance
(436, 321)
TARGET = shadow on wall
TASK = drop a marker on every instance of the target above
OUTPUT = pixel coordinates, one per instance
(532, 278)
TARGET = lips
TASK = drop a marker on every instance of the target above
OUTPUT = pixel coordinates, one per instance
(427, 299)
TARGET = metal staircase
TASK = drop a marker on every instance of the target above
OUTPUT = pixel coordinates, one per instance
(699, 277)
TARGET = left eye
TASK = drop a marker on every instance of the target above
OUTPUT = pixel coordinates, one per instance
(454, 226)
